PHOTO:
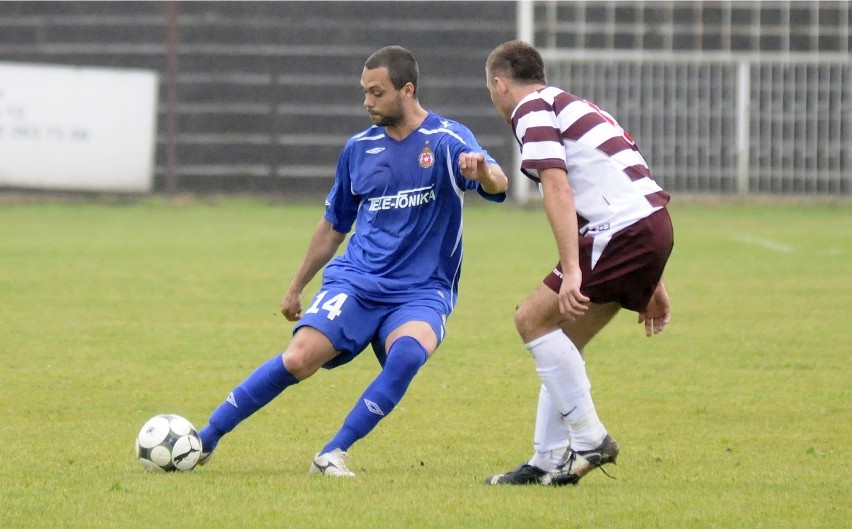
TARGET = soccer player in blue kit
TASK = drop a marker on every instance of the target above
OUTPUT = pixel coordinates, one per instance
(401, 183)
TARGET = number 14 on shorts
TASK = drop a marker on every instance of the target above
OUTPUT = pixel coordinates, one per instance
(333, 306)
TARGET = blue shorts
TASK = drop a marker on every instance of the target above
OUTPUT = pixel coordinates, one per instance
(352, 322)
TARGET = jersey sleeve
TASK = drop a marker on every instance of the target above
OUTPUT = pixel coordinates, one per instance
(341, 205)
(469, 144)
(537, 130)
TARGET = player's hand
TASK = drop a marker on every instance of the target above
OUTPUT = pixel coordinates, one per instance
(572, 302)
(472, 166)
(291, 305)
(658, 313)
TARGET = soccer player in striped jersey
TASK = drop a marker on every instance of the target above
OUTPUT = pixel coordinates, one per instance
(613, 235)
(401, 183)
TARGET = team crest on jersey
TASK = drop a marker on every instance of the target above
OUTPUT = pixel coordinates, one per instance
(426, 158)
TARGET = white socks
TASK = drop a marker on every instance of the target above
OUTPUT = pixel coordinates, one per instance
(565, 406)
(551, 433)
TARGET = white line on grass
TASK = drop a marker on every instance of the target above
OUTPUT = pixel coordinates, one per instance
(764, 243)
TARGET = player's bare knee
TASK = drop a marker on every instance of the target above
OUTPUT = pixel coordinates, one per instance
(300, 363)
(524, 322)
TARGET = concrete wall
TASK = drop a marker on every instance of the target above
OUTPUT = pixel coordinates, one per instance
(267, 92)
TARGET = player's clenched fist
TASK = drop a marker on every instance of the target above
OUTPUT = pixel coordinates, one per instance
(471, 163)
(473, 166)
(291, 306)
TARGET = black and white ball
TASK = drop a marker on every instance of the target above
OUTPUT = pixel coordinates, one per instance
(168, 443)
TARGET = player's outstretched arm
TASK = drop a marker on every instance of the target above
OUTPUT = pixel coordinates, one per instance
(658, 313)
(491, 177)
(324, 244)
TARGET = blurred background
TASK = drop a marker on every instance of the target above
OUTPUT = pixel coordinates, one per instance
(730, 98)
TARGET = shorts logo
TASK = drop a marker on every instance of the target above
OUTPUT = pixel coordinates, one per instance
(407, 198)
(426, 158)
(597, 229)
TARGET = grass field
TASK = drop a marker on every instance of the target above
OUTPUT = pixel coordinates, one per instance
(738, 416)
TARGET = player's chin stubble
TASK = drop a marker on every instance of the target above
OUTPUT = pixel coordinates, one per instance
(385, 121)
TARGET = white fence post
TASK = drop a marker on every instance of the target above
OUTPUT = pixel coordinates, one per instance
(525, 29)
(743, 117)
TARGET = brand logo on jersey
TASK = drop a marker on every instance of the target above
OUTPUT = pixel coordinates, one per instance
(375, 150)
(404, 199)
(426, 158)
(231, 400)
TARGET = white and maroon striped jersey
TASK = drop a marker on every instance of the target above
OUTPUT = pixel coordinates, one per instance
(612, 183)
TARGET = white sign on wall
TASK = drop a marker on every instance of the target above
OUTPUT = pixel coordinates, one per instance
(74, 128)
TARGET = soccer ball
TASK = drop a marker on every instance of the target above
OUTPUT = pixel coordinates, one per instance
(167, 443)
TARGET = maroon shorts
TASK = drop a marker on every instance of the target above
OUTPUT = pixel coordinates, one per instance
(630, 265)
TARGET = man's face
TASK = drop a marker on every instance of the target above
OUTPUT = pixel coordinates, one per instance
(382, 101)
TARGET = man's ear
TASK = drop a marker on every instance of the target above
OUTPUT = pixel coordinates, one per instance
(408, 89)
(502, 85)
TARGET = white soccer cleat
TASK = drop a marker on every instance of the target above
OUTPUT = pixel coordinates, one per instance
(577, 463)
(205, 458)
(331, 464)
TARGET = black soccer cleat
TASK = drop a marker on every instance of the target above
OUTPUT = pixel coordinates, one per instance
(525, 474)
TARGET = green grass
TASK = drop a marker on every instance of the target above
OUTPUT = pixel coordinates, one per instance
(738, 416)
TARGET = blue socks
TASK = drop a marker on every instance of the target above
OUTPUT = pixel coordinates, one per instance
(266, 383)
(404, 359)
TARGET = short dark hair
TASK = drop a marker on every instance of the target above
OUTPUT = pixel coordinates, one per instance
(517, 60)
(401, 65)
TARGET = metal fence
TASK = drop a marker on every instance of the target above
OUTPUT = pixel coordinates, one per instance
(726, 124)
(729, 114)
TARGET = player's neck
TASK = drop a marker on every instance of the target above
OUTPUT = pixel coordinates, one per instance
(409, 124)
(522, 91)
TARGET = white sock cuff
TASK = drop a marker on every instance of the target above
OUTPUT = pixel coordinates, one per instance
(555, 335)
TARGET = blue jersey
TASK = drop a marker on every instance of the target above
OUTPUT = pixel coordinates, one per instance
(405, 199)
